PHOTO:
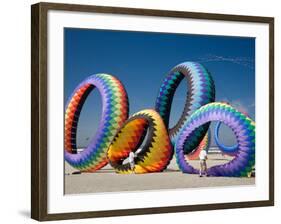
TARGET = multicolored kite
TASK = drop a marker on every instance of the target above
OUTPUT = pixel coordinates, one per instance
(115, 111)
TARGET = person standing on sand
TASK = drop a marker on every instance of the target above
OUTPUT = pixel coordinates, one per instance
(203, 164)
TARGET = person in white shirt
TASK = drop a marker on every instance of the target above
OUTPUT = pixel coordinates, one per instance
(132, 156)
(203, 164)
(132, 160)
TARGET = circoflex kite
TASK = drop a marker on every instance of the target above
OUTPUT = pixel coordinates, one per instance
(243, 128)
(147, 130)
(114, 113)
(200, 91)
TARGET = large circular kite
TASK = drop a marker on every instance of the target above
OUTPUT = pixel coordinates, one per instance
(243, 128)
(114, 113)
(146, 129)
(200, 91)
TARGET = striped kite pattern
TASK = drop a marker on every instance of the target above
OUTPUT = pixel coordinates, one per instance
(243, 128)
(148, 126)
(118, 135)
(200, 91)
(115, 111)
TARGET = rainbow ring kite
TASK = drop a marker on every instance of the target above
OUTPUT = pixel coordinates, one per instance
(201, 90)
(114, 113)
(148, 126)
(243, 128)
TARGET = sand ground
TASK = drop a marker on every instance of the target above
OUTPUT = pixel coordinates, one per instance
(106, 180)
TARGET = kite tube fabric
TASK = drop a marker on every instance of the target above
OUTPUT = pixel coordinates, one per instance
(243, 128)
(146, 129)
(115, 109)
(229, 150)
(200, 91)
(204, 145)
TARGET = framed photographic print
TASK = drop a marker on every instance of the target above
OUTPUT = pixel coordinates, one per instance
(139, 111)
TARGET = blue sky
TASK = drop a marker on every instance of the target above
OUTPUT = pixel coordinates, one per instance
(142, 59)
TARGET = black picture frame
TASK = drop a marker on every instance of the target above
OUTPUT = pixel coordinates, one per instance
(39, 106)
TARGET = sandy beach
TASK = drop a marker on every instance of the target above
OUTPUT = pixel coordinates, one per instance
(106, 180)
